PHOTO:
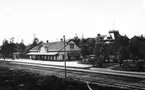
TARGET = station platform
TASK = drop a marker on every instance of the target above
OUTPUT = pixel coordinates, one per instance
(74, 65)
(70, 64)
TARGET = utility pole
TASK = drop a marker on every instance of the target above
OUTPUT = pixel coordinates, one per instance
(16, 55)
(64, 58)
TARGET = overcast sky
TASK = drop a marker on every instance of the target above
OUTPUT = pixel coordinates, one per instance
(51, 19)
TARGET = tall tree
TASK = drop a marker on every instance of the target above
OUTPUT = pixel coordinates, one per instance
(30, 46)
(4, 48)
(77, 40)
(83, 45)
(8, 48)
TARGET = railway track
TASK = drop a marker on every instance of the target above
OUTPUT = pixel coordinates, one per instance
(101, 71)
(109, 80)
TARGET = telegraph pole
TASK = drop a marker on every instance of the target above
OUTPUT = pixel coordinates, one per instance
(64, 58)
(17, 51)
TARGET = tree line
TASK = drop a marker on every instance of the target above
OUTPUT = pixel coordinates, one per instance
(9, 47)
(123, 47)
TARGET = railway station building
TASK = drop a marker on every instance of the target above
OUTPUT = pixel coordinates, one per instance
(55, 51)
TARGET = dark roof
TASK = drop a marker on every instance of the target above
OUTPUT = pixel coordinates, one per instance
(112, 31)
(54, 46)
(51, 46)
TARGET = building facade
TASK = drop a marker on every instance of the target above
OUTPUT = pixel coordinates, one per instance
(55, 51)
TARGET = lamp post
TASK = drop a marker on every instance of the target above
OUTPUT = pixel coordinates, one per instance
(64, 58)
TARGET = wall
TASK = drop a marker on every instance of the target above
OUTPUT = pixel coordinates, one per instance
(60, 56)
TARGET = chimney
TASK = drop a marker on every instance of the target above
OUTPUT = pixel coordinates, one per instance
(61, 40)
(47, 41)
(98, 34)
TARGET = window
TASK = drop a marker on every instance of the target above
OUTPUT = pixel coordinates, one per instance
(71, 46)
(42, 50)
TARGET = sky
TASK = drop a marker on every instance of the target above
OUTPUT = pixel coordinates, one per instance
(51, 19)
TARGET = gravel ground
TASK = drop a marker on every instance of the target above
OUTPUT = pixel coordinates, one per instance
(22, 79)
